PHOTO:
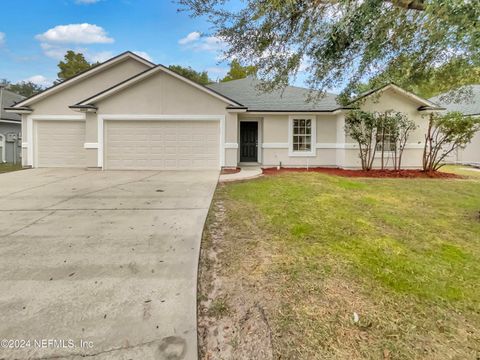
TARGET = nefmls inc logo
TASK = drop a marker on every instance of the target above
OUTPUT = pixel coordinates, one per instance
(55, 343)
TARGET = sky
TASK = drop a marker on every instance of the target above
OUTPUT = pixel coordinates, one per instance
(35, 34)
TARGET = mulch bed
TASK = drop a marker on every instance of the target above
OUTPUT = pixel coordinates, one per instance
(368, 174)
(230, 171)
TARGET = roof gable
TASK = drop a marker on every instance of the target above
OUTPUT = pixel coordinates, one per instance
(82, 75)
(145, 75)
(424, 104)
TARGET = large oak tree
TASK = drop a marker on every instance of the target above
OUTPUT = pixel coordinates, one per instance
(342, 43)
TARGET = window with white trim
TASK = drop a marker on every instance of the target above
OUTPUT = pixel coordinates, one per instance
(388, 142)
(302, 135)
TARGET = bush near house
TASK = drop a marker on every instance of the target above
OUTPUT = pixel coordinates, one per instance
(379, 131)
(389, 131)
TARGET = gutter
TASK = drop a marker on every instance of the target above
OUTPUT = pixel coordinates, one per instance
(84, 108)
(18, 110)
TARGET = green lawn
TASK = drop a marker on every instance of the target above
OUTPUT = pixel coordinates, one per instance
(404, 254)
(462, 170)
(9, 167)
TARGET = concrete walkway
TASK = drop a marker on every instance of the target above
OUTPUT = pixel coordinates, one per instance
(245, 173)
(104, 259)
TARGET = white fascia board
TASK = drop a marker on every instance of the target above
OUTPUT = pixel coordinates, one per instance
(11, 122)
(19, 111)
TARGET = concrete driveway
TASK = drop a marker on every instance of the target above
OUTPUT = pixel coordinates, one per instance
(100, 263)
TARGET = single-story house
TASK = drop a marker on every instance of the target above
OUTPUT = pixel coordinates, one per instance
(470, 106)
(10, 128)
(128, 113)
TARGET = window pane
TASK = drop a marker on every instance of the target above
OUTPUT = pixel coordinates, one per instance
(302, 135)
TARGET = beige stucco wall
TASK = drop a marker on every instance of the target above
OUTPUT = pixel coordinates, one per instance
(324, 157)
(24, 140)
(471, 153)
(411, 158)
(91, 130)
(231, 157)
(326, 129)
(162, 94)
(231, 128)
(58, 103)
(392, 100)
(275, 129)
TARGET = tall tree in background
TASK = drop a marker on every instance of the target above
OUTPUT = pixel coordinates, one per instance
(72, 64)
(237, 71)
(197, 76)
(24, 88)
(434, 81)
(343, 43)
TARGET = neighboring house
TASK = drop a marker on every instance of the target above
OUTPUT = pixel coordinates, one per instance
(468, 107)
(128, 113)
(10, 128)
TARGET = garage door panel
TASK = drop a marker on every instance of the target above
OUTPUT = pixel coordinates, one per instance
(60, 144)
(162, 144)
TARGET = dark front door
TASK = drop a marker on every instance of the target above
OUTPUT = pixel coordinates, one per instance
(248, 141)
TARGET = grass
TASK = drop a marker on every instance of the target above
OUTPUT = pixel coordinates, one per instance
(462, 170)
(6, 167)
(218, 308)
(404, 254)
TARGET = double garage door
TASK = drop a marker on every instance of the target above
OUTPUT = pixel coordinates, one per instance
(133, 145)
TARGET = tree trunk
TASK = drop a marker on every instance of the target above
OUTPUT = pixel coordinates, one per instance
(383, 146)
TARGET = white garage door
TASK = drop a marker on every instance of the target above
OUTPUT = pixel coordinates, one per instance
(162, 145)
(60, 144)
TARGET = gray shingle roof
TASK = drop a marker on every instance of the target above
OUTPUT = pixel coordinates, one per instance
(9, 98)
(470, 106)
(291, 98)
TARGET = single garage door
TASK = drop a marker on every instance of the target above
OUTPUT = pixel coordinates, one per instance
(162, 145)
(60, 144)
